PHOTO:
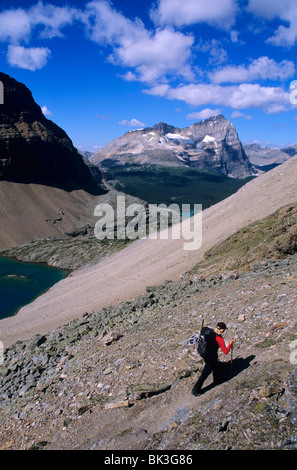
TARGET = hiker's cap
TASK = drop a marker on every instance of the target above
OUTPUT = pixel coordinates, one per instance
(222, 326)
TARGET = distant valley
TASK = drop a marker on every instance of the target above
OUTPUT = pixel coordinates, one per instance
(203, 163)
(266, 158)
(49, 189)
(158, 184)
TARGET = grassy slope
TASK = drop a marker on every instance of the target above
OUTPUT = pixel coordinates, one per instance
(274, 237)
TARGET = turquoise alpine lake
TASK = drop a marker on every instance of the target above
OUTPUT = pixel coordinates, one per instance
(21, 283)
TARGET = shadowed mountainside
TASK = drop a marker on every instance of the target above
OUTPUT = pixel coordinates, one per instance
(34, 149)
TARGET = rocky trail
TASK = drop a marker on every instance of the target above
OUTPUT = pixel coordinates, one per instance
(110, 368)
(121, 378)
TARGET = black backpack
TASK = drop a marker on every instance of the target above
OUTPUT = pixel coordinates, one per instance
(202, 342)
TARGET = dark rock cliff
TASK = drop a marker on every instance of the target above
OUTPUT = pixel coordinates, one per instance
(33, 149)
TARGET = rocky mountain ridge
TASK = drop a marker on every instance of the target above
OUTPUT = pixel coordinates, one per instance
(269, 156)
(34, 149)
(46, 189)
(211, 144)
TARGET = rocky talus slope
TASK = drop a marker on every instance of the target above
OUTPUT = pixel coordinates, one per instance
(35, 211)
(121, 378)
(79, 247)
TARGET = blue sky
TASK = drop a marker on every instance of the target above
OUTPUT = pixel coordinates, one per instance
(100, 68)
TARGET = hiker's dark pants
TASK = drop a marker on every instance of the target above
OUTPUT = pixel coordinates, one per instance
(209, 367)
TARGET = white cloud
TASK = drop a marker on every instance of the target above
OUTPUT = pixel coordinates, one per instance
(17, 24)
(234, 36)
(151, 54)
(285, 10)
(156, 56)
(270, 9)
(131, 123)
(162, 90)
(238, 114)
(105, 25)
(28, 58)
(130, 77)
(218, 54)
(276, 108)
(262, 68)
(204, 113)
(241, 96)
(219, 13)
(104, 117)
(46, 111)
(52, 18)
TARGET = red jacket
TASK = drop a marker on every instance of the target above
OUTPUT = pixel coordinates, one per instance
(213, 343)
(222, 345)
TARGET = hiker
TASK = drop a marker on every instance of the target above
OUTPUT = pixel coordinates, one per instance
(213, 341)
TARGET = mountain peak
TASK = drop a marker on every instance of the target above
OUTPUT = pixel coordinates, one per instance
(217, 117)
(34, 149)
(211, 144)
(162, 127)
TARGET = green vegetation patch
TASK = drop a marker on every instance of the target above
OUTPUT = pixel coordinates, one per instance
(167, 185)
(273, 237)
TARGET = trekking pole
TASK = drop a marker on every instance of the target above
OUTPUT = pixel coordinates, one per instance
(202, 325)
(231, 370)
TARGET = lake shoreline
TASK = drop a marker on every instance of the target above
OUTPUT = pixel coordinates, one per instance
(21, 283)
